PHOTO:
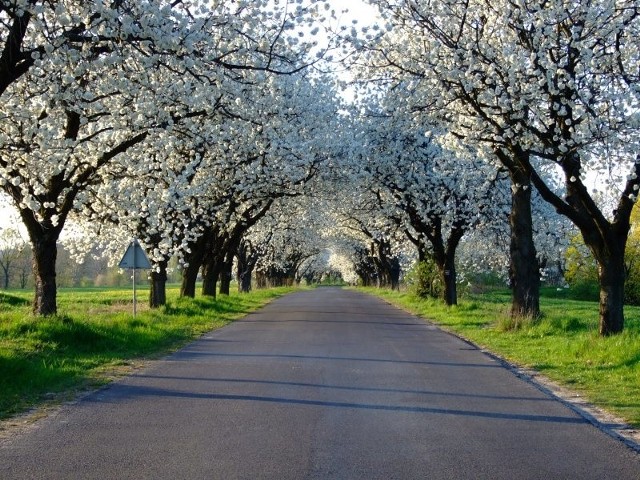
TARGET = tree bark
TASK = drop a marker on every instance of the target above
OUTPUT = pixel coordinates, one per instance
(194, 262)
(524, 272)
(225, 277)
(189, 279)
(612, 278)
(612, 274)
(394, 273)
(210, 275)
(244, 281)
(5, 273)
(261, 280)
(158, 291)
(449, 281)
(45, 252)
(245, 269)
(231, 249)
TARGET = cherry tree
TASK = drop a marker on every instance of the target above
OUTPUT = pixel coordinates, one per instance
(317, 269)
(376, 66)
(376, 240)
(543, 86)
(200, 197)
(290, 239)
(341, 260)
(434, 195)
(285, 139)
(77, 84)
(83, 83)
(486, 250)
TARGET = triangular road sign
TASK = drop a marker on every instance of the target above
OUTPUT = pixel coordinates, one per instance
(135, 257)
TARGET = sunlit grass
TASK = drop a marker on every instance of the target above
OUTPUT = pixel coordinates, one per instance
(95, 335)
(563, 344)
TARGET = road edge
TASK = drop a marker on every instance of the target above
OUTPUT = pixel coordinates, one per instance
(603, 420)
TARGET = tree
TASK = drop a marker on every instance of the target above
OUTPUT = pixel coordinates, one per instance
(485, 251)
(632, 261)
(376, 241)
(288, 238)
(72, 80)
(12, 247)
(248, 254)
(545, 86)
(82, 83)
(582, 269)
(435, 195)
(286, 127)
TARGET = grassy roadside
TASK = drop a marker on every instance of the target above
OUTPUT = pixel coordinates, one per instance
(95, 337)
(563, 345)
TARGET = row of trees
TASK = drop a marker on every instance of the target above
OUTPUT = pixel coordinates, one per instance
(203, 130)
(545, 89)
(178, 123)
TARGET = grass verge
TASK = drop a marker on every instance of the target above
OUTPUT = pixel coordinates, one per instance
(95, 337)
(564, 344)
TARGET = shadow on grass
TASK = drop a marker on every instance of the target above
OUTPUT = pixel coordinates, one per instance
(43, 357)
(13, 301)
(27, 380)
(57, 354)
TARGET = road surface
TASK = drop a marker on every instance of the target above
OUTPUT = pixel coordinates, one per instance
(321, 384)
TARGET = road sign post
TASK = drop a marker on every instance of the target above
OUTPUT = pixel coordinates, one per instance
(135, 259)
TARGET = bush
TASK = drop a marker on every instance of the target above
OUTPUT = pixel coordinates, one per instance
(585, 289)
(632, 288)
(424, 280)
(582, 272)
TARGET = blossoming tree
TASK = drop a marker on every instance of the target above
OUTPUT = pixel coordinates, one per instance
(84, 83)
(544, 85)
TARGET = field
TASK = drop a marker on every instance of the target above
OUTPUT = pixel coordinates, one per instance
(563, 345)
(95, 338)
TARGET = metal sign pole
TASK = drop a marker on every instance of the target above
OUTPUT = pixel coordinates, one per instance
(134, 282)
(135, 259)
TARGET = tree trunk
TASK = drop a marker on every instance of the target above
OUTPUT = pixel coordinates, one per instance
(524, 273)
(261, 280)
(244, 281)
(189, 279)
(245, 269)
(194, 262)
(394, 274)
(449, 281)
(5, 272)
(24, 278)
(612, 278)
(609, 254)
(45, 252)
(225, 277)
(210, 275)
(450, 277)
(158, 291)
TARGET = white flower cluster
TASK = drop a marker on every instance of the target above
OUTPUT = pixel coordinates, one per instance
(159, 118)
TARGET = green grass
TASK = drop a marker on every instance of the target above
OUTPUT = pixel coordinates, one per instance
(94, 337)
(564, 344)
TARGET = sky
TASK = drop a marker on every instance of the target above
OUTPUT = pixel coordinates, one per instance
(7, 213)
(358, 9)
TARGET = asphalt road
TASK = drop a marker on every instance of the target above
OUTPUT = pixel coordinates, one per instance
(322, 384)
